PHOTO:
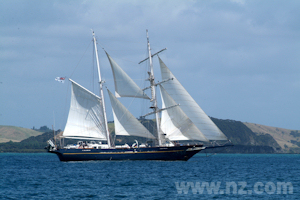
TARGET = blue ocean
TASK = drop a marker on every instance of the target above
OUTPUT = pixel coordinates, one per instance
(220, 176)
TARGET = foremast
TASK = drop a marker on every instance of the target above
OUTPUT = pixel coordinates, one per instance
(101, 91)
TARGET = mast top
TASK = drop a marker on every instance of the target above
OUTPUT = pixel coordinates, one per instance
(147, 35)
(149, 50)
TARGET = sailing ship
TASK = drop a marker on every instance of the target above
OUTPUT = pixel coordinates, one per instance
(182, 127)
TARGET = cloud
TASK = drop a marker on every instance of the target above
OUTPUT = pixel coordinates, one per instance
(229, 54)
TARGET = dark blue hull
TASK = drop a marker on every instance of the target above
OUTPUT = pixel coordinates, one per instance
(148, 153)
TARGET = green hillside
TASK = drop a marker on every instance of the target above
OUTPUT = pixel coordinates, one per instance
(31, 144)
(244, 139)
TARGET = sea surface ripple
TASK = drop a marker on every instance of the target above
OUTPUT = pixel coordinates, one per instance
(43, 176)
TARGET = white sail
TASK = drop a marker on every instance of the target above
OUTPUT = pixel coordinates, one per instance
(189, 105)
(125, 122)
(124, 85)
(174, 122)
(85, 120)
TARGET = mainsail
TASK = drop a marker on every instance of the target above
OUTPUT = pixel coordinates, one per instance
(174, 122)
(124, 85)
(189, 105)
(85, 120)
(125, 122)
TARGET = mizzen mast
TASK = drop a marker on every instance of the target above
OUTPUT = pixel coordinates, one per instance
(153, 93)
(151, 79)
(101, 91)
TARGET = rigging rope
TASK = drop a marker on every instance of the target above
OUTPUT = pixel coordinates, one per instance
(80, 60)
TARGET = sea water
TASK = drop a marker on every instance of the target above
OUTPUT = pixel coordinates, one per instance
(221, 176)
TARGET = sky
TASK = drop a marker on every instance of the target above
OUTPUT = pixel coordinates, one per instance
(239, 59)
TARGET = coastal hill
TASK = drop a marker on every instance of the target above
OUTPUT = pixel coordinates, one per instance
(246, 137)
(286, 138)
(16, 134)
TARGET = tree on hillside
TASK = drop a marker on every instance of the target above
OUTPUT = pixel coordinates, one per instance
(42, 129)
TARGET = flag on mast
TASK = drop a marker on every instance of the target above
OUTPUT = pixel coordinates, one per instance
(60, 79)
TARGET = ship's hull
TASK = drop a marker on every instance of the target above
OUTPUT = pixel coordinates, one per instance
(148, 153)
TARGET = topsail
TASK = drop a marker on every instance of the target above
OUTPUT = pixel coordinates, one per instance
(124, 85)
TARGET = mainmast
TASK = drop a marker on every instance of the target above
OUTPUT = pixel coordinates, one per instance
(101, 92)
(153, 93)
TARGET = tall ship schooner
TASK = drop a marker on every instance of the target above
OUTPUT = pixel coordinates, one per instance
(182, 127)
